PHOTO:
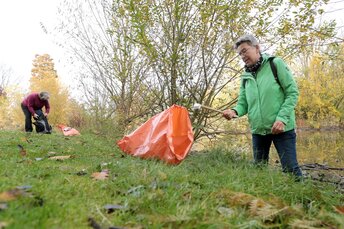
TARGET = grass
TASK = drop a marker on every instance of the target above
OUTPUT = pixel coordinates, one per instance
(215, 189)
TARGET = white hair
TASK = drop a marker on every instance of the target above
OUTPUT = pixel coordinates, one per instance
(248, 38)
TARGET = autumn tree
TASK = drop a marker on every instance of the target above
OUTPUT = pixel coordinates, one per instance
(10, 112)
(322, 88)
(110, 69)
(189, 44)
(44, 78)
(6, 75)
(144, 56)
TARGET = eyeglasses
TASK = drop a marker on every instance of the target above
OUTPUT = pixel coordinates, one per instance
(244, 51)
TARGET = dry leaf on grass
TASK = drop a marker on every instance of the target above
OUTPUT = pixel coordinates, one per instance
(61, 158)
(11, 195)
(339, 209)
(51, 154)
(101, 175)
(187, 196)
(22, 151)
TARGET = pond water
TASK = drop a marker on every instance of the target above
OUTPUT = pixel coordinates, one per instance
(322, 147)
(320, 153)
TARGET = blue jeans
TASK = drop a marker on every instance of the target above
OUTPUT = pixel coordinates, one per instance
(285, 144)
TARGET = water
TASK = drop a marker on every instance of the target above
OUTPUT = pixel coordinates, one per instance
(320, 153)
(322, 147)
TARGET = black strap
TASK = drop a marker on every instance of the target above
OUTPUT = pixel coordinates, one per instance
(274, 72)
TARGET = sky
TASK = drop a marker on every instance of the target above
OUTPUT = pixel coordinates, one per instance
(22, 36)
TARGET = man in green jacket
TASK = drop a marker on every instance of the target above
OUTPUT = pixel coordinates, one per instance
(269, 102)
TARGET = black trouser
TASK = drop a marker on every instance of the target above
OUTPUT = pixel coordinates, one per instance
(28, 116)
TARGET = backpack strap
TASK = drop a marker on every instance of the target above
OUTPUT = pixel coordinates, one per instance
(274, 70)
(244, 82)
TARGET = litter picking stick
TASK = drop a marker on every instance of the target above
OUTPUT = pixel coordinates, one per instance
(198, 106)
(212, 109)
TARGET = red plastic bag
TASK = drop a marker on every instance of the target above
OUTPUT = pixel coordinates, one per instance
(167, 136)
(68, 131)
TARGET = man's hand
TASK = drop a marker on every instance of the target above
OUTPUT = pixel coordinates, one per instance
(45, 114)
(277, 128)
(35, 115)
(229, 114)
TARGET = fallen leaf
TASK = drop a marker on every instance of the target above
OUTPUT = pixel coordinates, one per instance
(60, 158)
(339, 209)
(101, 175)
(22, 151)
(187, 196)
(51, 154)
(11, 195)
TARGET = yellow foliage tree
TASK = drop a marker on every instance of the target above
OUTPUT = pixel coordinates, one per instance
(11, 115)
(322, 91)
(3, 104)
(44, 78)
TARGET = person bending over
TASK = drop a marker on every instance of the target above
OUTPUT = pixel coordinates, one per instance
(32, 105)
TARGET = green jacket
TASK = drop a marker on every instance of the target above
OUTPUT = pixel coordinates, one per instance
(264, 100)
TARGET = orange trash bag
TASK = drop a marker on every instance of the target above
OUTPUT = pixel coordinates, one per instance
(167, 136)
(68, 131)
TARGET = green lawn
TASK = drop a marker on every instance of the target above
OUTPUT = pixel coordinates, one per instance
(214, 189)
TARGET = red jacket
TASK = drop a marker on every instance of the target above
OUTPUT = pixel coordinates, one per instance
(33, 102)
